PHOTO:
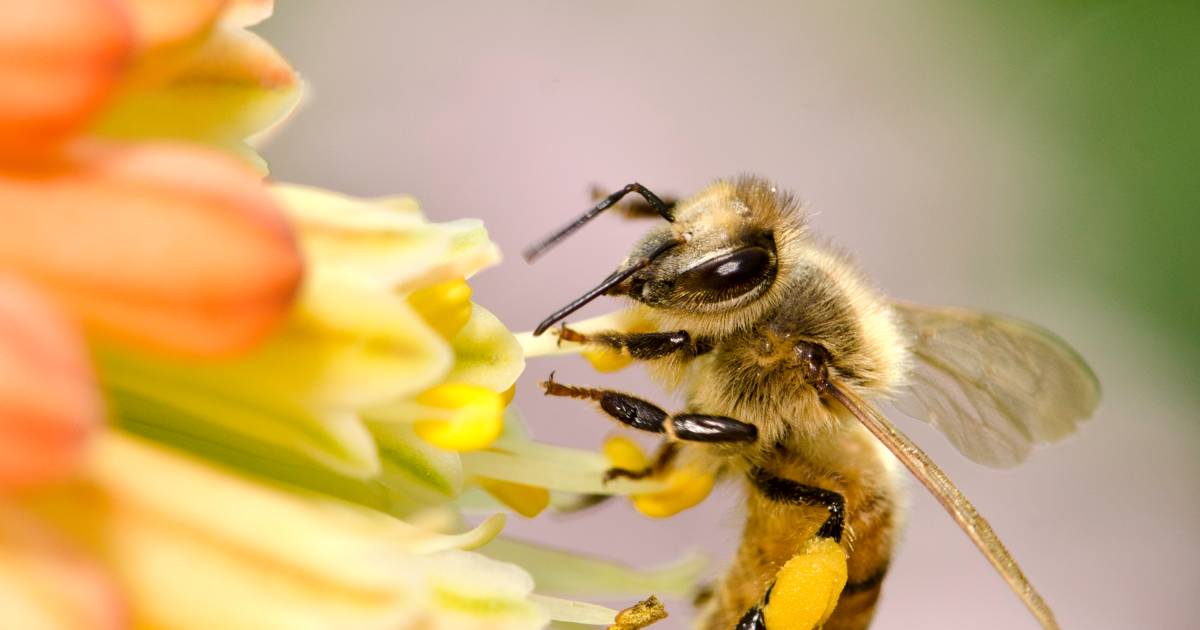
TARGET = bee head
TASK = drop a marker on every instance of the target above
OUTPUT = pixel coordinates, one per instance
(717, 256)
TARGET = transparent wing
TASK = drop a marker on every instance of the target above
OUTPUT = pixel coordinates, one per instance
(960, 509)
(994, 385)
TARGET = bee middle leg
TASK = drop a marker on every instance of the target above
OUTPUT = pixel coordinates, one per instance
(646, 416)
(662, 461)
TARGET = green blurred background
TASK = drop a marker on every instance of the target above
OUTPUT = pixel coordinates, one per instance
(1115, 89)
(1033, 158)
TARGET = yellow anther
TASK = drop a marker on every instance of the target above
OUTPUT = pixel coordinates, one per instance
(606, 360)
(472, 416)
(506, 396)
(445, 306)
(807, 587)
(528, 501)
(623, 452)
(640, 615)
(686, 486)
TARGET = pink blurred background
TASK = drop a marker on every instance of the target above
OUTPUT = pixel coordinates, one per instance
(918, 147)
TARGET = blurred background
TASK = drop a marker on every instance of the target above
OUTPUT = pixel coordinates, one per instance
(1034, 158)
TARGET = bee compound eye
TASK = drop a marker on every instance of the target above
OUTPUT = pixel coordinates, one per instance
(729, 275)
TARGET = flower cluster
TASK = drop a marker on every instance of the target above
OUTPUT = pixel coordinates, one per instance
(227, 403)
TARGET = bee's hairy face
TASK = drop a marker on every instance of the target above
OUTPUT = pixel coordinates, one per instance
(720, 265)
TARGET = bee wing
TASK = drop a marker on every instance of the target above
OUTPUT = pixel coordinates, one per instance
(951, 498)
(994, 385)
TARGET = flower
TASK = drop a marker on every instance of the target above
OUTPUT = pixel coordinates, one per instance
(226, 402)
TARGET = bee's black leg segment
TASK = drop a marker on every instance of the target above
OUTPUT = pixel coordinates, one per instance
(654, 345)
(695, 427)
(626, 409)
(646, 416)
(753, 619)
(659, 206)
(787, 491)
(662, 460)
(637, 208)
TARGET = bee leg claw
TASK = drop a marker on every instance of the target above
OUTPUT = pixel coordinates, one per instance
(570, 334)
(625, 473)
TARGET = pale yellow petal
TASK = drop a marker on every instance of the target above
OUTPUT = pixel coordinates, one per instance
(472, 591)
(300, 532)
(197, 547)
(486, 353)
(408, 457)
(187, 403)
(378, 245)
(233, 86)
(568, 611)
(579, 575)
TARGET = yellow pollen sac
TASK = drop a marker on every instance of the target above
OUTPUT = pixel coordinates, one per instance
(528, 501)
(474, 421)
(607, 360)
(807, 588)
(686, 485)
(445, 306)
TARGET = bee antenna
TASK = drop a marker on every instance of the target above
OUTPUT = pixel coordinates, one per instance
(659, 206)
(615, 278)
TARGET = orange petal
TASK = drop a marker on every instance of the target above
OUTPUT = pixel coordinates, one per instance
(59, 63)
(248, 12)
(48, 402)
(167, 246)
(46, 582)
(161, 23)
(166, 34)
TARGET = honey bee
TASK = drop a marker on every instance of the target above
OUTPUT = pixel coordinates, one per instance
(778, 343)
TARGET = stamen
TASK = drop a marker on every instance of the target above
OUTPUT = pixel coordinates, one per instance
(687, 485)
(528, 501)
(476, 417)
(446, 306)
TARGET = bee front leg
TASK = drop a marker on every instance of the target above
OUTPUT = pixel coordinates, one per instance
(646, 416)
(637, 208)
(643, 346)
